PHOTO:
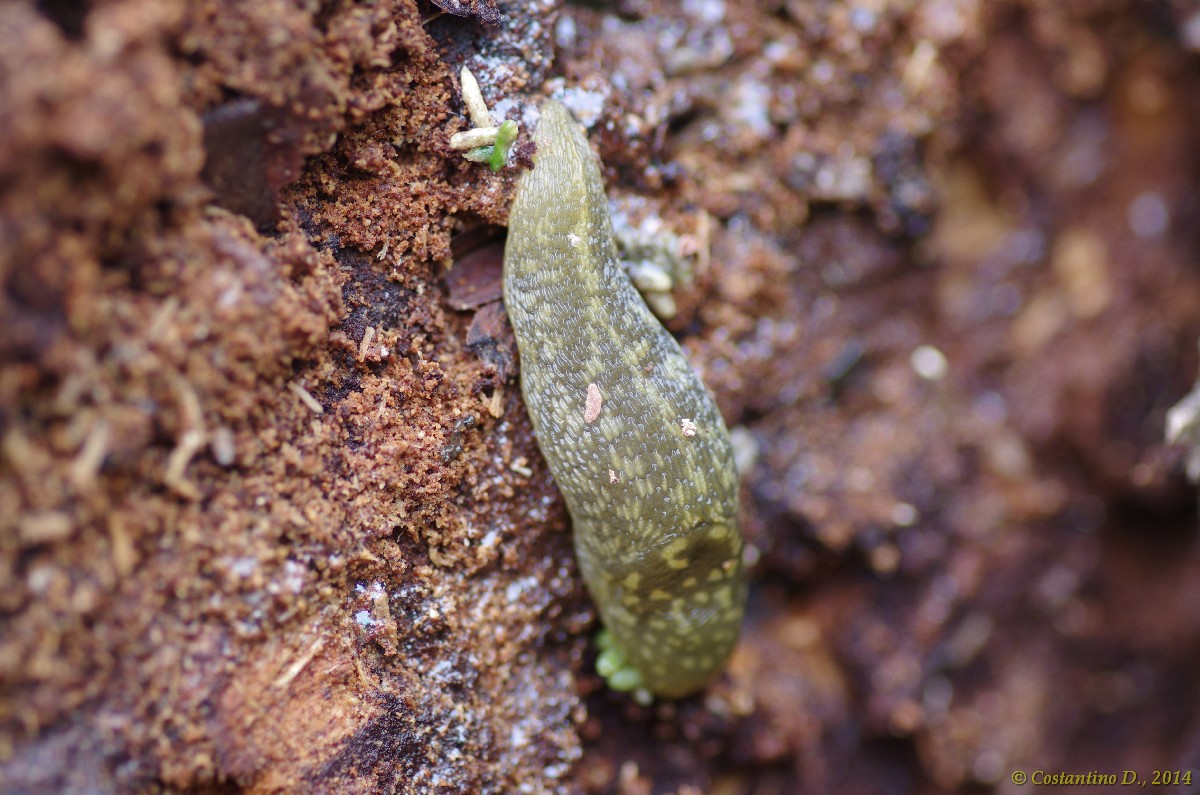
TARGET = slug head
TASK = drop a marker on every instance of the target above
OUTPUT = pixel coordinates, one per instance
(673, 613)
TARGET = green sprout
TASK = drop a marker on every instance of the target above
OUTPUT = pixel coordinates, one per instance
(504, 140)
(617, 671)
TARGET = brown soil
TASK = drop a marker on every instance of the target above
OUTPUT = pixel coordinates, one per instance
(272, 518)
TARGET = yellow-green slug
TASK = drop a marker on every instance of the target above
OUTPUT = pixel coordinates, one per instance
(633, 438)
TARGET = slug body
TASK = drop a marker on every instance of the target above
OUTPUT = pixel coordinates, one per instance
(633, 438)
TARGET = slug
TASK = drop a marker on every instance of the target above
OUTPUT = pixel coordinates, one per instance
(634, 440)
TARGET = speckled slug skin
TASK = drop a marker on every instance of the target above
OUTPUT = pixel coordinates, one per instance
(653, 501)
